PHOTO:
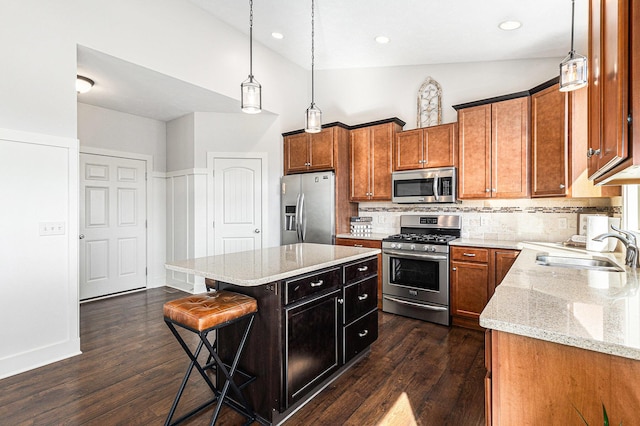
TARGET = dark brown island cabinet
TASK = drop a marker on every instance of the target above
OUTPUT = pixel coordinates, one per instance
(309, 330)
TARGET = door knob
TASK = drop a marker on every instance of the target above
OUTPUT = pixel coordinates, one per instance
(81, 236)
(257, 231)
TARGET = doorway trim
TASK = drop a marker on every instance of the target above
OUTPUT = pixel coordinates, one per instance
(211, 156)
(148, 159)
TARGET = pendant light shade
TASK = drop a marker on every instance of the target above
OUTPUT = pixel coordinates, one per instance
(313, 117)
(573, 68)
(251, 90)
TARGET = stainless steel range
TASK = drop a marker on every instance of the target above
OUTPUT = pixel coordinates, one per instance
(415, 269)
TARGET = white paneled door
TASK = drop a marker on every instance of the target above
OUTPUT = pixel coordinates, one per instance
(237, 204)
(112, 248)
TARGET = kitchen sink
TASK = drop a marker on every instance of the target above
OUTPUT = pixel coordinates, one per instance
(595, 263)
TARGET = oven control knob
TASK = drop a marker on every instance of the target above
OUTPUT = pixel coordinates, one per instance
(431, 248)
(412, 247)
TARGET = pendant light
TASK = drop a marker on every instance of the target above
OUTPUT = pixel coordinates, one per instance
(573, 68)
(251, 91)
(313, 117)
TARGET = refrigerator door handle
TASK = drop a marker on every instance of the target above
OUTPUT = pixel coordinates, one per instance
(303, 219)
(298, 220)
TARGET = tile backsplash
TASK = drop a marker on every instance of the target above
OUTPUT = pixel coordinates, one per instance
(546, 219)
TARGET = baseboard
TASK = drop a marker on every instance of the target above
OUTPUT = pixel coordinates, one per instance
(25, 361)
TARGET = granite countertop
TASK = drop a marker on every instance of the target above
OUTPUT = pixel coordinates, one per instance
(371, 236)
(589, 309)
(499, 244)
(257, 267)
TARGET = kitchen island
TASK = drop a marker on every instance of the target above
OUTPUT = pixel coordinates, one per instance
(317, 316)
(561, 341)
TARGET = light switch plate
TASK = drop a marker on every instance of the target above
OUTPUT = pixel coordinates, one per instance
(52, 228)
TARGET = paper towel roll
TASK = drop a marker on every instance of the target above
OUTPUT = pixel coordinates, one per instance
(597, 225)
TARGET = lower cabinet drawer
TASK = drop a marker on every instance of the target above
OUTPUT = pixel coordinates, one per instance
(360, 270)
(300, 288)
(360, 298)
(359, 335)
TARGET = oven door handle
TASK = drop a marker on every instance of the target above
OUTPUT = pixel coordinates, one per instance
(417, 305)
(415, 255)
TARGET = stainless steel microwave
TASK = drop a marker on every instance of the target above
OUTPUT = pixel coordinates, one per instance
(437, 185)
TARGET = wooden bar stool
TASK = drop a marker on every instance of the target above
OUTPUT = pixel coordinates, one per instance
(201, 314)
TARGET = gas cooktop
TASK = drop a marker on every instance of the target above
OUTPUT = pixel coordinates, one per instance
(422, 238)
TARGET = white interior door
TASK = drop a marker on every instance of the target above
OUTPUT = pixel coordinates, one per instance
(112, 249)
(237, 204)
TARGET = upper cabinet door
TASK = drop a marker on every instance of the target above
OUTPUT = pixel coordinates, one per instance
(509, 148)
(440, 145)
(409, 150)
(474, 173)
(321, 150)
(381, 164)
(296, 153)
(608, 84)
(549, 142)
(360, 153)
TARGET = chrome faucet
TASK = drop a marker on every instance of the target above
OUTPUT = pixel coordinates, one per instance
(631, 258)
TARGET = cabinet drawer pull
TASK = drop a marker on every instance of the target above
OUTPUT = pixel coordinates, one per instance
(363, 333)
(317, 284)
(362, 268)
(357, 245)
(469, 254)
(363, 297)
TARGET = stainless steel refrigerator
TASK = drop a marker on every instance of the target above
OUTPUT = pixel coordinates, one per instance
(308, 208)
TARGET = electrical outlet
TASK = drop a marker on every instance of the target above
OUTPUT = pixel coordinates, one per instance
(52, 228)
(562, 223)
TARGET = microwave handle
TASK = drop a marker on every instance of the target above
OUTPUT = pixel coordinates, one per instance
(435, 188)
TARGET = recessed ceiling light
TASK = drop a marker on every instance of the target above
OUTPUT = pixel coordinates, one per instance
(278, 36)
(510, 25)
(382, 39)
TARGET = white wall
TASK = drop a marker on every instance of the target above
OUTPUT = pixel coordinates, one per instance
(38, 292)
(356, 96)
(118, 131)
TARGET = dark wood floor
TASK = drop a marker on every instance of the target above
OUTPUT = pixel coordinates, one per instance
(131, 367)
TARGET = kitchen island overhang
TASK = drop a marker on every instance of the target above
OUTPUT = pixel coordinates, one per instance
(317, 316)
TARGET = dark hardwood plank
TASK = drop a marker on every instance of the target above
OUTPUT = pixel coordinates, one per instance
(131, 367)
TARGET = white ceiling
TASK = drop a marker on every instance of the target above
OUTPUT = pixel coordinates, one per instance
(421, 32)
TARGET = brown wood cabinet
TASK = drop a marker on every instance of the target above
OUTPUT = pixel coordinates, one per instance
(311, 151)
(549, 142)
(608, 84)
(434, 146)
(536, 382)
(353, 242)
(614, 91)
(558, 140)
(493, 140)
(475, 273)
(370, 155)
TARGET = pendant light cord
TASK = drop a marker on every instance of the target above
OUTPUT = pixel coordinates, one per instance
(312, 50)
(251, 39)
(573, 12)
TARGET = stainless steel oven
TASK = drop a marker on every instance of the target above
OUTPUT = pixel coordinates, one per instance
(415, 269)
